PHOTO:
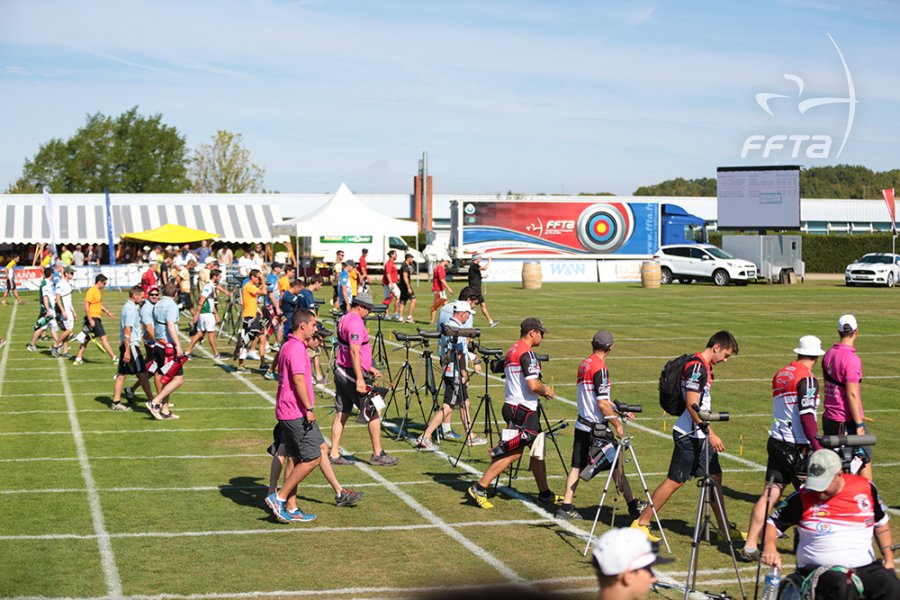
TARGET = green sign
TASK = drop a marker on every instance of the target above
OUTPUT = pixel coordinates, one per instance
(346, 239)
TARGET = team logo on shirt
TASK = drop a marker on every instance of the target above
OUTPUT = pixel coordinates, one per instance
(823, 528)
(354, 337)
(863, 502)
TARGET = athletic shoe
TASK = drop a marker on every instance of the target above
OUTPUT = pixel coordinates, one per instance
(240, 370)
(646, 530)
(424, 442)
(348, 498)
(119, 406)
(383, 460)
(636, 507)
(252, 355)
(550, 498)
(63, 355)
(479, 497)
(217, 357)
(169, 416)
(31, 348)
(188, 356)
(398, 318)
(410, 319)
(264, 366)
(54, 351)
(274, 348)
(129, 394)
(78, 361)
(452, 436)
(278, 508)
(340, 461)
(299, 515)
(476, 441)
(568, 514)
(494, 323)
(269, 375)
(115, 360)
(154, 410)
(736, 534)
(749, 554)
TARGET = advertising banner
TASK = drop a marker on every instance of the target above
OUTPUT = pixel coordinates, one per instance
(552, 271)
(561, 229)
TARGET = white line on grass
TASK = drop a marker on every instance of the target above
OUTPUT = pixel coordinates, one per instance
(107, 558)
(411, 502)
(172, 457)
(5, 358)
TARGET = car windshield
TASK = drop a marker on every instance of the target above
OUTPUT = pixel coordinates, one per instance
(876, 259)
(719, 253)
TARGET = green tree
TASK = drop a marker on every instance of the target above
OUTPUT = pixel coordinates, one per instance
(224, 167)
(705, 186)
(127, 154)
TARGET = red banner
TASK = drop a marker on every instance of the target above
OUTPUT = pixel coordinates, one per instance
(889, 200)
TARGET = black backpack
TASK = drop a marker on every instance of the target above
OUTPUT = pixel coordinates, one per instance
(670, 397)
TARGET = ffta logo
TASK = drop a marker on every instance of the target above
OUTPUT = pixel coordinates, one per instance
(814, 146)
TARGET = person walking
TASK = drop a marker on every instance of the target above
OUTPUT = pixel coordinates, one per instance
(131, 362)
(207, 316)
(167, 352)
(65, 312)
(439, 287)
(11, 279)
(407, 296)
(93, 310)
(474, 278)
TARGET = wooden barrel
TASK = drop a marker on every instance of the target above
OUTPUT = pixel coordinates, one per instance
(650, 274)
(531, 275)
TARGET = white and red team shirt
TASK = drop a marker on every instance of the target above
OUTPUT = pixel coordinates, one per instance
(696, 377)
(437, 278)
(795, 392)
(520, 365)
(592, 386)
(390, 273)
(835, 532)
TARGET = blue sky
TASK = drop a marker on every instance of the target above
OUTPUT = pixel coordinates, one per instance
(530, 96)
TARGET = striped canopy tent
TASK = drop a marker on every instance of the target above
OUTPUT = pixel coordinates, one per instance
(81, 218)
(171, 233)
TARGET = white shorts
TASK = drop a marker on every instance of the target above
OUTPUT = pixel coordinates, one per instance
(206, 322)
(70, 322)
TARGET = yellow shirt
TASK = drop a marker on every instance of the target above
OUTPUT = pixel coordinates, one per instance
(94, 301)
(354, 282)
(284, 284)
(46, 260)
(248, 297)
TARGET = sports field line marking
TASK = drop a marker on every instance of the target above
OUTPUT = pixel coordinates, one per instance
(106, 410)
(106, 392)
(5, 358)
(173, 457)
(718, 380)
(271, 531)
(107, 558)
(407, 499)
(130, 431)
(210, 488)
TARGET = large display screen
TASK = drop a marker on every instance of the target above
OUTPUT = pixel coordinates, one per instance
(758, 197)
(550, 229)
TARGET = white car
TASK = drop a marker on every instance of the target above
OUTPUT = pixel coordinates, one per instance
(876, 268)
(690, 262)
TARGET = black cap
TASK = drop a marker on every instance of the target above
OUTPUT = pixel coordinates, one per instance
(532, 324)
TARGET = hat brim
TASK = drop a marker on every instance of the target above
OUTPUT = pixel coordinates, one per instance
(818, 483)
(809, 352)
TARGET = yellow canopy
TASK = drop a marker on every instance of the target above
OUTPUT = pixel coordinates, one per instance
(171, 234)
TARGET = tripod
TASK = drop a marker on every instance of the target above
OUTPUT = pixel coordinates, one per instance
(625, 443)
(708, 495)
(407, 375)
(231, 321)
(490, 415)
(549, 433)
(379, 352)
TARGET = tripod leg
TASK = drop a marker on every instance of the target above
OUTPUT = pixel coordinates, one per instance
(649, 496)
(702, 514)
(602, 499)
(717, 499)
(562, 461)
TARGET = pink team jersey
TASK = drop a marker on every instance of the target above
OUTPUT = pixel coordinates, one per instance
(293, 359)
(352, 330)
(841, 365)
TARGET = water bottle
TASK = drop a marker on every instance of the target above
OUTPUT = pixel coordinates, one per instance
(770, 589)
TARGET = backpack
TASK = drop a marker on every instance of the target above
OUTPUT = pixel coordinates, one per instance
(670, 397)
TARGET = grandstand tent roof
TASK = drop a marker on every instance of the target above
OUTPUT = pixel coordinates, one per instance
(345, 214)
(81, 218)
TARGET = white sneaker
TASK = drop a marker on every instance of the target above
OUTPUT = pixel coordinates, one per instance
(78, 361)
(424, 442)
(410, 319)
(253, 355)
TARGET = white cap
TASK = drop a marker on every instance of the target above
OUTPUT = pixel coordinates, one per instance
(621, 550)
(462, 306)
(810, 345)
(823, 466)
(847, 323)
(146, 248)
(210, 259)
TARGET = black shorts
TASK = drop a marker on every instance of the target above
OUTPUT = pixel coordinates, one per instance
(97, 330)
(787, 462)
(687, 459)
(133, 367)
(159, 357)
(581, 447)
(11, 284)
(406, 294)
(345, 395)
(520, 417)
(186, 301)
(830, 427)
(455, 393)
(299, 442)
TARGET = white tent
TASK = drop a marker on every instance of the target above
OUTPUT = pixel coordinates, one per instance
(344, 215)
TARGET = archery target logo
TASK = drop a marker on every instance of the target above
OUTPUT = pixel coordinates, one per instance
(605, 228)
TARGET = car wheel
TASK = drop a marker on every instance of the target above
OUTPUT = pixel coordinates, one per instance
(890, 280)
(665, 275)
(721, 277)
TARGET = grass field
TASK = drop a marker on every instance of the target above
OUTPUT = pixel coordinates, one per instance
(95, 503)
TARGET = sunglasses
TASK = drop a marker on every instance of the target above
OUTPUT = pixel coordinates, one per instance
(154, 295)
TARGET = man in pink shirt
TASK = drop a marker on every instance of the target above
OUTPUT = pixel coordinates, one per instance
(353, 363)
(842, 370)
(295, 411)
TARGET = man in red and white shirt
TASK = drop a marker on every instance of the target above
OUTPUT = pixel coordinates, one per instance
(439, 287)
(795, 399)
(837, 514)
(520, 411)
(390, 281)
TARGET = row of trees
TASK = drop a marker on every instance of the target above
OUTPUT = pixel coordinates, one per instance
(132, 153)
(839, 181)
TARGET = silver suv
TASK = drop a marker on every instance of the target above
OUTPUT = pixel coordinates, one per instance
(703, 262)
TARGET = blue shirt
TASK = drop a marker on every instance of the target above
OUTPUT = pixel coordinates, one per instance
(165, 311)
(203, 254)
(307, 300)
(344, 282)
(271, 288)
(131, 317)
(289, 303)
(146, 319)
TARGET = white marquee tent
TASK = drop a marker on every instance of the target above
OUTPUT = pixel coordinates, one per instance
(345, 215)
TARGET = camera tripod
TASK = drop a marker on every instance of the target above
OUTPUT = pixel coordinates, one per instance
(625, 443)
(490, 415)
(231, 316)
(379, 350)
(708, 496)
(407, 375)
